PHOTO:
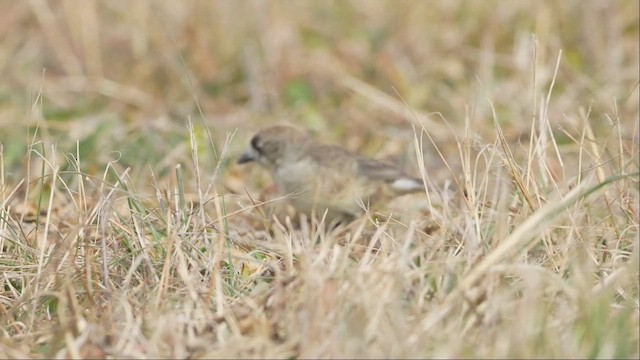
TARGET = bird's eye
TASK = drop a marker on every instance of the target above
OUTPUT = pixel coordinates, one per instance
(256, 143)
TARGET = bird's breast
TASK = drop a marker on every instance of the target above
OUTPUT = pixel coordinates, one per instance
(295, 177)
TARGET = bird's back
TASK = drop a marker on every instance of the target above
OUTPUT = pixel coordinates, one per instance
(340, 181)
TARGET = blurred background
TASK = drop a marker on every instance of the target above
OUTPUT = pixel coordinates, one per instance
(119, 80)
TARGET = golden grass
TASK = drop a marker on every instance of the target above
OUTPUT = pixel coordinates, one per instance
(127, 230)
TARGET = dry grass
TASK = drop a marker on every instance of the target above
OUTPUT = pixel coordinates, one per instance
(126, 229)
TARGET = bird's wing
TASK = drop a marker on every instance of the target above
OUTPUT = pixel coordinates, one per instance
(334, 161)
(376, 170)
(399, 180)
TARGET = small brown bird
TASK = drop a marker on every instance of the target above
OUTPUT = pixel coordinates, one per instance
(321, 177)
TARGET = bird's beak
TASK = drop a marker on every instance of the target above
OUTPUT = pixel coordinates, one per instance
(248, 156)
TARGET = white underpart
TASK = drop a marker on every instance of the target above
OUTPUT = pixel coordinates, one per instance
(407, 184)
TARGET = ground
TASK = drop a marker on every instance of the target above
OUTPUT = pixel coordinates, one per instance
(128, 230)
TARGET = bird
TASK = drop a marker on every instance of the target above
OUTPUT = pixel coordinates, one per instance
(322, 179)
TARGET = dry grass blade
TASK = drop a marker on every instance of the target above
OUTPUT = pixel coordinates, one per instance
(522, 236)
(396, 107)
(128, 230)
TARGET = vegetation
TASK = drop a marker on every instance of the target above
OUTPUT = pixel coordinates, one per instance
(127, 229)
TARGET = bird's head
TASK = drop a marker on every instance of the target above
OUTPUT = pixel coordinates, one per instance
(274, 145)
